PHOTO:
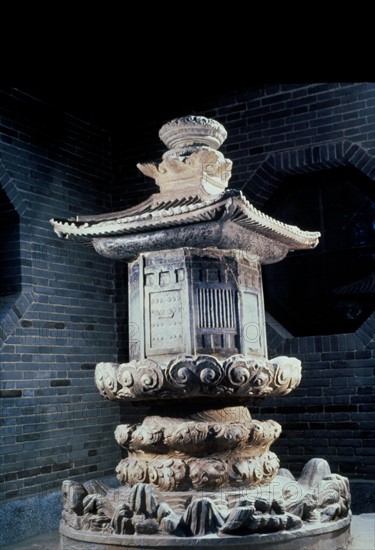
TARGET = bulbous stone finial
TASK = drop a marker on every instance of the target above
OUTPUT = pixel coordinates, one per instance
(192, 130)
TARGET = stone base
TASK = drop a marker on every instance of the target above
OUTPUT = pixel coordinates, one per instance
(322, 536)
(312, 512)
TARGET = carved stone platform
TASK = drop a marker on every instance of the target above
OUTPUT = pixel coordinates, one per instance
(312, 513)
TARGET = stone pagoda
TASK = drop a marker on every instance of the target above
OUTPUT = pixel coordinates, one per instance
(195, 465)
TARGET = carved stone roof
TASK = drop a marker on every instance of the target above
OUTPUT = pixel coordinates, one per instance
(154, 214)
(192, 178)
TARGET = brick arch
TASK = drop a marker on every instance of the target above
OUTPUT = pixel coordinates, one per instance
(13, 311)
(268, 177)
(7, 185)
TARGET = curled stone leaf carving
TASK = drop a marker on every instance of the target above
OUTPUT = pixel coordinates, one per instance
(270, 466)
(132, 471)
(149, 379)
(138, 472)
(260, 378)
(198, 438)
(123, 434)
(209, 370)
(231, 436)
(106, 380)
(203, 375)
(237, 371)
(181, 374)
(239, 472)
(208, 473)
(254, 471)
(263, 433)
(145, 437)
(122, 471)
(189, 436)
(287, 375)
(125, 376)
(168, 475)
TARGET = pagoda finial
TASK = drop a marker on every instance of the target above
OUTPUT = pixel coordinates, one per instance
(192, 165)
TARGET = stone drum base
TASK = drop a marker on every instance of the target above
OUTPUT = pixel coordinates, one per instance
(328, 536)
(311, 513)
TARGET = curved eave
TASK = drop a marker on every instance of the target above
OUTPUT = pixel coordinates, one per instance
(250, 217)
(155, 214)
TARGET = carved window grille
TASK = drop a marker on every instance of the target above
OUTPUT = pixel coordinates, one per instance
(216, 308)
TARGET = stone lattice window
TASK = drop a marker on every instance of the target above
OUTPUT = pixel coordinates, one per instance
(332, 289)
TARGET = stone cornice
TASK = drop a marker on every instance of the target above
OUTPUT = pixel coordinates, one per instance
(154, 214)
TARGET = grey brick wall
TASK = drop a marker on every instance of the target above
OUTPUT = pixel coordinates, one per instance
(54, 423)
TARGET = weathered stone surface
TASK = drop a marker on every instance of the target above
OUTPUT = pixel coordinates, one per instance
(163, 434)
(97, 513)
(196, 300)
(203, 450)
(192, 131)
(203, 376)
(314, 471)
(185, 516)
(260, 517)
(121, 522)
(241, 226)
(311, 537)
(202, 517)
(221, 290)
(73, 494)
(204, 171)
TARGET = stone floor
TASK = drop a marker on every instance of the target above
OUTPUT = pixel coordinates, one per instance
(363, 537)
